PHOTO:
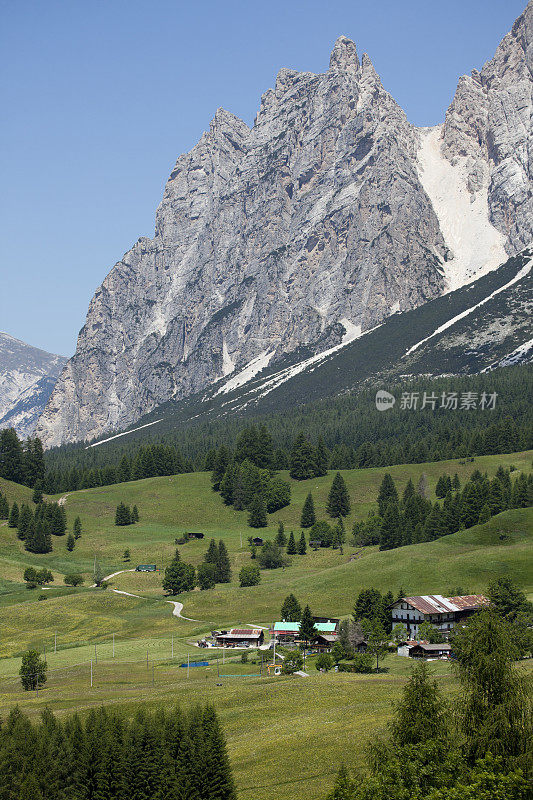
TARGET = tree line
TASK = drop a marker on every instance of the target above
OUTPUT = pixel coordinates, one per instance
(414, 518)
(355, 434)
(170, 755)
(216, 568)
(35, 527)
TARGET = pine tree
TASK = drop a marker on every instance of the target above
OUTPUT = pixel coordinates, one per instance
(302, 459)
(257, 517)
(308, 517)
(308, 631)
(70, 542)
(387, 492)
(391, 535)
(338, 504)
(37, 496)
(291, 610)
(456, 483)
(435, 524)
(179, 577)
(227, 484)
(38, 539)
(24, 521)
(134, 514)
(223, 564)
(122, 515)
(14, 515)
(281, 539)
(77, 528)
(484, 514)
(322, 458)
(291, 545)
(11, 457)
(302, 545)
(222, 461)
(211, 556)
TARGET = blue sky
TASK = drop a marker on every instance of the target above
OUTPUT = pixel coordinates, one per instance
(100, 97)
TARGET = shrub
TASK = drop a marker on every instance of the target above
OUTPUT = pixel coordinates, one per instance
(73, 579)
(249, 575)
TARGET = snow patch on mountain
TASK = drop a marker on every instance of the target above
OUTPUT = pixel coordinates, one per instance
(476, 245)
(448, 324)
(250, 371)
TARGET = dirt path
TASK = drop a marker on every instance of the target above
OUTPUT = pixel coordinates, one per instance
(178, 609)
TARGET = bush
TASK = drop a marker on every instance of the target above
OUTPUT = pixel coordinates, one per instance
(207, 574)
(324, 661)
(249, 575)
(293, 662)
(271, 556)
(73, 579)
(363, 662)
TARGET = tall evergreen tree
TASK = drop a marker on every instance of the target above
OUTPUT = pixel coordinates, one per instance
(308, 517)
(338, 504)
(308, 631)
(257, 516)
(302, 545)
(291, 545)
(291, 611)
(322, 458)
(281, 539)
(387, 493)
(223, 564)
(14, 515)
(77, 528)
(302, 459)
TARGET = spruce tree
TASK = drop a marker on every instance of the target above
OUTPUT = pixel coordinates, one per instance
(70, 542)
(211, 556)
(291, 545)
(308, 631)
(322, 458)
(302, 545)
(338, 504)
(14, 516)
(77, 528)
(223, 564)
(134, 514)
(24, 521)
(391, 535)
(302, 459)
(308, 517)
(281, 539)
(257, 516)
(291, 610)
(387, 492)
(227, 484)
(37, 496)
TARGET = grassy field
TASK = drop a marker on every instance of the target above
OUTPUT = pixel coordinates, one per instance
(328, 580)
(286, 734)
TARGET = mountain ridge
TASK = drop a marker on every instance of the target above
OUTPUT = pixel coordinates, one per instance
(315, 224)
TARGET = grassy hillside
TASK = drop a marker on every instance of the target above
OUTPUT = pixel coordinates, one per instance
(327, 579)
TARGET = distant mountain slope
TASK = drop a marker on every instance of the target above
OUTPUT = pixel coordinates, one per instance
(475, 328)
(315, 224)
(27, 378)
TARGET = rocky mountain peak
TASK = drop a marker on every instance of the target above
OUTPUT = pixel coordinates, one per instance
(344, 55)
(328, 215)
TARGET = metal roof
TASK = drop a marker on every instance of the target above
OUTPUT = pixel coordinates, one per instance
(240, 633)
(294, 627)
(437, 604)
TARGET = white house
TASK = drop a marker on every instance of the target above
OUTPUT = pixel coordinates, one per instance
(442, 612)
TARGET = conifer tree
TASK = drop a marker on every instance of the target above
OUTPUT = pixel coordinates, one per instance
(435, 524)
(223, 564)
(24, 521)
(291, 545)
(14, 515)
(77, 528)
(302, 459)
(134, 514)
(257, 516)
(322, 458)
(37, 496)
(390, 528)
(211, 556)
(222, 461)
(281, 539)
(291, 610)
(308, 631)
(302, 545)
(387, 493)
(456, 483)
(70, 542)
(38, 538)
(338, 504)
(308, 517)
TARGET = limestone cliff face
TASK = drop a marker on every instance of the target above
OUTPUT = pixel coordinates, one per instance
(311, 226)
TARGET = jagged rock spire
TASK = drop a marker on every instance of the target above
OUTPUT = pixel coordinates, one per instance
(344, 55)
